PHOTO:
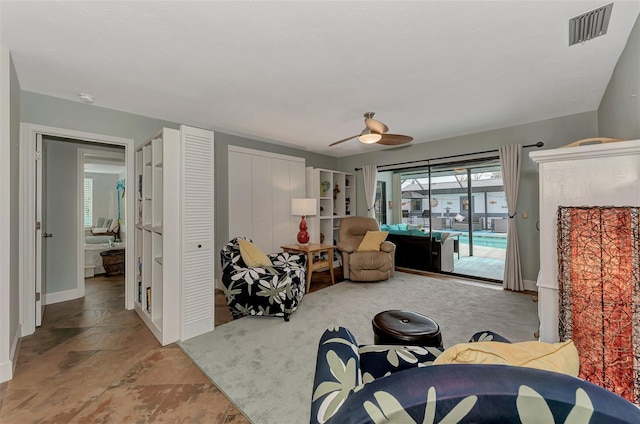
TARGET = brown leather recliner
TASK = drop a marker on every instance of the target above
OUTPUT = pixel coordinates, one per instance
(364, 266)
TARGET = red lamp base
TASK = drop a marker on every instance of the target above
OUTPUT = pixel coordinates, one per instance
(303, 235)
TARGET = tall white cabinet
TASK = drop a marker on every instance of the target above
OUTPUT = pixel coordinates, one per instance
(261, 186)
(335, 192)
(174, 233)
(593, 175)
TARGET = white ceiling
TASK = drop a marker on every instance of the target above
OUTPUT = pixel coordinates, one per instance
(303, 73)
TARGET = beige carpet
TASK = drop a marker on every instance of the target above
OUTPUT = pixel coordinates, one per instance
(266, 365)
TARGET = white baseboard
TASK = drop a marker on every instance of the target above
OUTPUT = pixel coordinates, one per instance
(61, 296)
(530, 285)
(6, 371)
(8, 367)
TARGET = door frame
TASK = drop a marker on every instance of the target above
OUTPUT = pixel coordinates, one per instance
(82, 155)
(28, 135)
(39, 245)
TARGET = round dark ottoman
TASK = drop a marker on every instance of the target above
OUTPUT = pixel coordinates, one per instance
(406, 328)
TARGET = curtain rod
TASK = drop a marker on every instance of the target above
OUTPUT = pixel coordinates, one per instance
(538, 144)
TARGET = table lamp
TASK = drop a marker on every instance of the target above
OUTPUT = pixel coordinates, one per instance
(302, 208)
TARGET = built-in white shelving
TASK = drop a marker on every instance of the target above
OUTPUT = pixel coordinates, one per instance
(174, 233)
(336, 195)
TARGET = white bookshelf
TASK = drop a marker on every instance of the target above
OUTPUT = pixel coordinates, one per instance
(174, 237)
(331, 206)
(158, 255)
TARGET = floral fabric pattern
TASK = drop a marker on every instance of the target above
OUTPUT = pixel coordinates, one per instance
(269, 291)
(412, 391)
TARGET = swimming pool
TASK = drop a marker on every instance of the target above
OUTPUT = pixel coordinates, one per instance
(486, 241)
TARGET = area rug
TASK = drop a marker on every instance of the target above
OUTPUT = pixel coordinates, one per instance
(266, 366)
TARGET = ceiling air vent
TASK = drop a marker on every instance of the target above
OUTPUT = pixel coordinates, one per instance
(591, 24)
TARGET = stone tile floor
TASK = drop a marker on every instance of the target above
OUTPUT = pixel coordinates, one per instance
(93, 361)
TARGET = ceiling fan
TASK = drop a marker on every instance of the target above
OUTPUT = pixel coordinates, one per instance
(376, 132)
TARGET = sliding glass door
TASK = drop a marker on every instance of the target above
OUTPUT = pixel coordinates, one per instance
(461, 206)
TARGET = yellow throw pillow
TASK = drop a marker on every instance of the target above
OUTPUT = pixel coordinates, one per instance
(372, 240)
(252, 255)
(557, 357)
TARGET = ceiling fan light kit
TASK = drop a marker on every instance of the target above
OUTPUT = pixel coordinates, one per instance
(369, 137)
(376, 132)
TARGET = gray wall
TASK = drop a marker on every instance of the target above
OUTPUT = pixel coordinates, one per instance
(55, 112)
(619, 111)
(105, 200)
(15, 201)
(553, 132)
(9, 211)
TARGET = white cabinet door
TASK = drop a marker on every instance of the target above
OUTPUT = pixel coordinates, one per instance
(281, 195)
(297, 186)
(261, 186)
(197, 232)
(240, 197)
(261, 189)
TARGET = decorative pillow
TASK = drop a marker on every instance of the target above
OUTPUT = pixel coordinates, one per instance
(372, 240)
(459, 218)
(403, 226)
(100, 223)
(393, 227)
(556, 357)
(252, 255)
(114, 226)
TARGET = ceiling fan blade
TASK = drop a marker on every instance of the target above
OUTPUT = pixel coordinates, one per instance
(394, 139)
(343, 140)
(376, 126)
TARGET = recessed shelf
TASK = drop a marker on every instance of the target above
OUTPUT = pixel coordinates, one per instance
(332, 203)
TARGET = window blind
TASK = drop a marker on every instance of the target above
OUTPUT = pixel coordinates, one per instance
(88, 202)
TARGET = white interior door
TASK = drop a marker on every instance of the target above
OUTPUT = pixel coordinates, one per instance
(40, 233)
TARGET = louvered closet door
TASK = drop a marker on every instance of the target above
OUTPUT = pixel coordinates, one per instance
(197, 232)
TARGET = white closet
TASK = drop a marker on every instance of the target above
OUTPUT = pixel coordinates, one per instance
(174, 233)
(593, 175)
(261, 186)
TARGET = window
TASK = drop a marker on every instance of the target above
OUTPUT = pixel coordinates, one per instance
(381, 202)
(88, 202)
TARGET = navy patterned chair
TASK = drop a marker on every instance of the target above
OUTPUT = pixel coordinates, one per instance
(399, 384)
(267, 291)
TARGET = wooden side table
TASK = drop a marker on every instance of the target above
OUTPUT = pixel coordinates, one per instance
(310, 250)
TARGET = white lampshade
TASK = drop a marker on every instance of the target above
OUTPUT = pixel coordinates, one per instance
(303, 207)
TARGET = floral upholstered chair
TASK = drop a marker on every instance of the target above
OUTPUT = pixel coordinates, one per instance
(401, 384)
(272, 290)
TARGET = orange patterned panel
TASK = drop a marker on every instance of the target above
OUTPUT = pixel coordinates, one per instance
(598, 285)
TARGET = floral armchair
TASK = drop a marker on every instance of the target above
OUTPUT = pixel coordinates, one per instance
(399, 384)
(270, 291)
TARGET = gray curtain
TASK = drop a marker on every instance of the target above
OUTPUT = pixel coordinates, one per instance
(370, 176)
(511, 162)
